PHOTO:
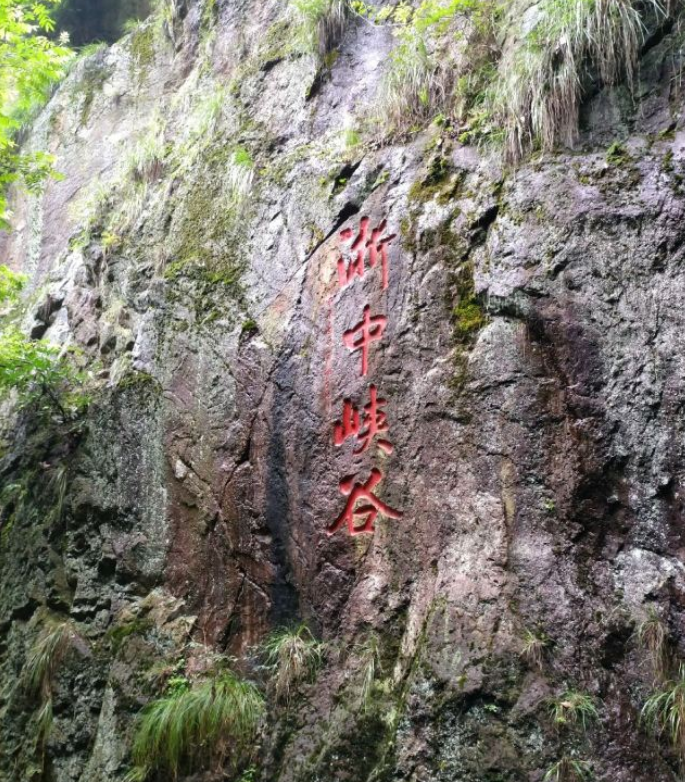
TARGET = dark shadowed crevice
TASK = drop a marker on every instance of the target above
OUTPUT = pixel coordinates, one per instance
(278, 515)
(88, 21)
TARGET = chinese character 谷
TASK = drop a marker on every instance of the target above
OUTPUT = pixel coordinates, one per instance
(362, 492)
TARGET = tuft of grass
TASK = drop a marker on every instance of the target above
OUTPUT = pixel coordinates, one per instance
(653, 636)
(351, 138)
(207, 113)
(568, 770)
(664, 712)
(540, 79)
(198, 728)
(293, 655)
(534, 645)
(370, 654)
(239, 176)
(145, 161)
(573, 708)
(429, 75)
(617, 154)
(90, 49)
(55, 641)
(321, 24)
(44, 659)
(43, 722)
(414, 84)
(59, 483)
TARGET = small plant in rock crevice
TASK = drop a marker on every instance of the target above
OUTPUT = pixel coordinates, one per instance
(537, 94)
(55, 641)
(534, 646)
(292, 655)
(652, 635)
(569, 769)
(321, 24)
(664, 712)
(423, 74)
(370, 655)
(573, 708)
(204, 726)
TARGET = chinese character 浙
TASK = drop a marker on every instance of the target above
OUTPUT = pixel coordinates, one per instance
(368, 511)
(374, 422)
(377, 247)
(368, 330)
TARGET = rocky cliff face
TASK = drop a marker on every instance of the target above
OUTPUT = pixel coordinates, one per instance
(532, 366)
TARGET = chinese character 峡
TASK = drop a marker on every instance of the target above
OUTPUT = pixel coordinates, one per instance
(368, 330)
(376, 246)
(374, 422)
(362, 492)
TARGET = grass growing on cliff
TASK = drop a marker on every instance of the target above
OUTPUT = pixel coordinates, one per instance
(52, 646)
(540, 80)
(370, 654)
(568, 770)
(653, 636)
(292, 655)
(506, 75)
(573, 708)
(321, 24)
(534, 646)
(664, 712)
(202, 728)
(239, 176)
(57, 639)
(420, 80)
(145, 162)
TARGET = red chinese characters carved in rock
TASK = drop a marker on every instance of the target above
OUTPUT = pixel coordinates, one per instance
(376, 246)
(368, 330)
(368, 511)
(374, 422)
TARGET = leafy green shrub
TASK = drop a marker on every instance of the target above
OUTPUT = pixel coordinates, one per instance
(573, 708)
(39, 374)
(293, 655)
(31, 64)
(206, 726)
(37, 371)
(11, 285)
(664, 711)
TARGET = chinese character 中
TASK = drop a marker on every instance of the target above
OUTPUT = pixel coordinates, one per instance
(368, 330)
(377, 246)
(375, 421)
(362, 492)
